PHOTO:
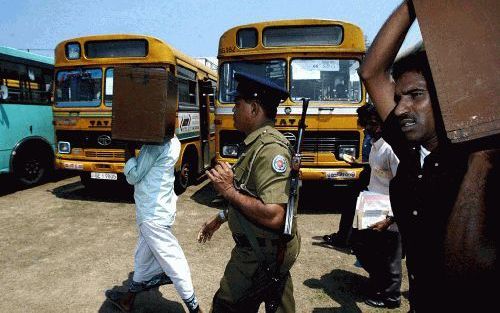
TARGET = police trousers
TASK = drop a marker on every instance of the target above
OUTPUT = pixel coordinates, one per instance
(237, 279)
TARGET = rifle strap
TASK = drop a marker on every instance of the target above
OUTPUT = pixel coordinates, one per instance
(250, 236)
(252, 239)
(244, 181)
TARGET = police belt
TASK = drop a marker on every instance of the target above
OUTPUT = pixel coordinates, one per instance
(242, 241)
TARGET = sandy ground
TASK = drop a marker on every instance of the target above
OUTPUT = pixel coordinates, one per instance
(61, 246)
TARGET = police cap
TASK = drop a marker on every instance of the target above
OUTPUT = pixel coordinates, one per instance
(252, 86)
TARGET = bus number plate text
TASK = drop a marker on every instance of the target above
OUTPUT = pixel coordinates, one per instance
(108, 176)
(340, 175)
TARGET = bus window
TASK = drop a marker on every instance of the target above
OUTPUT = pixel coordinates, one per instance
(39, 85)
(247, 38)
(211, 95)
(14, 76)
(330, 35)
(116, 48)
(187, 89)
(325, 80)
(108, 88)
(275, 70)
(79, 88)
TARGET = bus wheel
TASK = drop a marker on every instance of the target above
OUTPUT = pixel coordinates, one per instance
(31, 166)
(183, 177)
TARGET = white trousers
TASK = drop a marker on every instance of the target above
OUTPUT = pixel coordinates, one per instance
(159, 251)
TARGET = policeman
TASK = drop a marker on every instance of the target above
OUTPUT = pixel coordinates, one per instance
(256, 190)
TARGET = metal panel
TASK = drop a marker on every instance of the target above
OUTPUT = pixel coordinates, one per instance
(462, 41)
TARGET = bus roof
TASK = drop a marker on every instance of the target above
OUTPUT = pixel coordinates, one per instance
(353, 38)
(158, 52)
(26, 55)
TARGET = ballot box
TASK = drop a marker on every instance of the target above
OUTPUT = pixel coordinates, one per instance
(144, 104)
(461, 38)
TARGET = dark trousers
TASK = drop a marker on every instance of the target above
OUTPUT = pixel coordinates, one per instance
(380, 255)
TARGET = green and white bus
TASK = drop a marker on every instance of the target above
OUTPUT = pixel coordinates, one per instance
(26, 122)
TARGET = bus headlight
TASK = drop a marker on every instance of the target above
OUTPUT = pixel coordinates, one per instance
(349, 150)
(63, 147)
(230, 151)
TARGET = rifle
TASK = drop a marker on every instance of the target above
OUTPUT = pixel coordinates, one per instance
(295, 170)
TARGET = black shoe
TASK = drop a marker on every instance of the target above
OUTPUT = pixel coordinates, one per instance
(157, 281)
(335, 241)
(390, 304)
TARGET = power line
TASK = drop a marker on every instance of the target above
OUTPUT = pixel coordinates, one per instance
(35, 49)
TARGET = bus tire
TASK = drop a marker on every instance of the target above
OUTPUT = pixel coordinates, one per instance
(32, 163)
(185, 176)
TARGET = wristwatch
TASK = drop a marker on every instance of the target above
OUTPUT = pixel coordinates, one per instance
(222, 215)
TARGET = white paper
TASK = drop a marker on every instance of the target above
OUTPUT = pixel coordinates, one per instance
(371, 207)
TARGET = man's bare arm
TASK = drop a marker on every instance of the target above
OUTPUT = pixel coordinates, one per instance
(376, 68)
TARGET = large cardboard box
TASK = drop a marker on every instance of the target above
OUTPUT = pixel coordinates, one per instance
(462, 42)
(144, 104)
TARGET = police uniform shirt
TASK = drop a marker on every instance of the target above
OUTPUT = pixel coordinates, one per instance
(263, 171)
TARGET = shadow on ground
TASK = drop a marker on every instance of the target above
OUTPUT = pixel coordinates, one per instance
(206, 195)
(319, 242)
(150, 301)
(343, 287)
(9, 185)
(115, 192)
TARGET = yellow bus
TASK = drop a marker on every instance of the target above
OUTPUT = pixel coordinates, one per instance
(83, 100)
(312, 58)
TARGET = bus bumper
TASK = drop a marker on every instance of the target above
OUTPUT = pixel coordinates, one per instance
(90, 166)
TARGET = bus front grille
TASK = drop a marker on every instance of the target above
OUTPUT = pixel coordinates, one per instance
(103, 154)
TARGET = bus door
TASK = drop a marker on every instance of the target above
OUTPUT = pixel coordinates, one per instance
(205, 92)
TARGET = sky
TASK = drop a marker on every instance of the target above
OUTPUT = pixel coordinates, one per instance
(192, 26)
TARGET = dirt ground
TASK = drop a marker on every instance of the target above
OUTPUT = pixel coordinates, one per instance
(62, 246)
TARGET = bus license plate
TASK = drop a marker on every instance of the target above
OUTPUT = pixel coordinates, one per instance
(340, 175)
(108, 176)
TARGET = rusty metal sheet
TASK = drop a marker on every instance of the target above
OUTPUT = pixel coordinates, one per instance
(144, 104)
(462, 41)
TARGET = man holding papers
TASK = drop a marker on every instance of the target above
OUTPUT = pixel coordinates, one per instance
(377, 243)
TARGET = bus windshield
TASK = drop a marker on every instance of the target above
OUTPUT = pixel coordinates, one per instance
(274, 70)
(325, 80)
(79, 88)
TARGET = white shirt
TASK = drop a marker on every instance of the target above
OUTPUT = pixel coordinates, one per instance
(423, 153)
(152, 174)
(384, 164)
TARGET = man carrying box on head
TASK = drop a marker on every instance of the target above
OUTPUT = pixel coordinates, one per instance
(159, 258)
(442, 194)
